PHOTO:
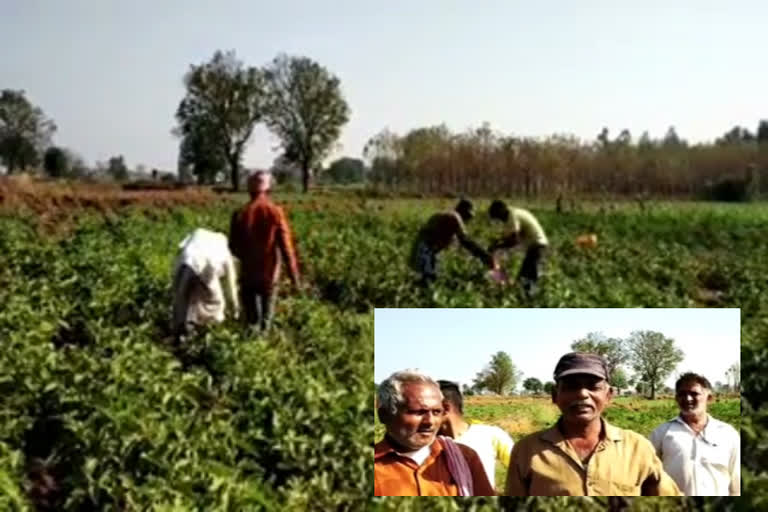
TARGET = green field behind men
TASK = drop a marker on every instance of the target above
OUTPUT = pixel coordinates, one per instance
(98, 410)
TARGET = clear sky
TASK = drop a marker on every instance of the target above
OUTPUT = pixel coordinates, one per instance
(110, 72)
(455, 344)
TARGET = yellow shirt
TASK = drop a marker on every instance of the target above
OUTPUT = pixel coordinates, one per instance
(624, 463)
(491, 444)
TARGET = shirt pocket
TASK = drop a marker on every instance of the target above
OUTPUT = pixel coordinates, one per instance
(717, 457)
(624, 488)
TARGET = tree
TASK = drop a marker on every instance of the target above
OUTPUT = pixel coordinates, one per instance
(672, 139)
(533, 385)
(762, 132)
(56, 162)
(500, 376)
(654, 356)
(200, 156)
(117, 169)
(735, 135)
(305, 109)
(549, 386)
(24, 131)
(18, 152)
(733, 376)
(619, 380)
(223, 103)
(346, 170)
(613, 350)
(467, 391)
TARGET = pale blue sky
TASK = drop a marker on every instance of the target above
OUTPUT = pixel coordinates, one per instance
(109, 72)
(455, 344)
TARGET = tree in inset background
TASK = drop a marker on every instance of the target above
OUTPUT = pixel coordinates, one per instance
(305, 109)
(733, 376)
(223, 103)
(613, 350)
(24, 131)
(619, 380)
(654, 356)
(533, 385)
(549, 386)
(500, 376)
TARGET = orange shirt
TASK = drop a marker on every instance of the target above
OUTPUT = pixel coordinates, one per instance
(257, 232)
(395, 475)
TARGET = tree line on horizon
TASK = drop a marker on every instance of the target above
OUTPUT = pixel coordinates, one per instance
(302, 104)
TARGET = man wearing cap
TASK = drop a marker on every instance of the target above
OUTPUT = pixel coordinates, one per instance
(412, 460)
(260, 237)
(701, 453)
(439, 233)
(582, 454)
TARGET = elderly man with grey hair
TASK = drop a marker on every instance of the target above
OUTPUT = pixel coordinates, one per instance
(412, 460)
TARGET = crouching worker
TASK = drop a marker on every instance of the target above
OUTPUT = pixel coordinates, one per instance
(412, 460)
(438, 234)
(525, 231)
(202, 262)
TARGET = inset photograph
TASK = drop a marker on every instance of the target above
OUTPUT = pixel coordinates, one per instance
(557, 402)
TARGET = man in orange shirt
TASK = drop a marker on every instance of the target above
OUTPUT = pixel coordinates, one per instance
(439, 233)
(411, 460)
(260, 237)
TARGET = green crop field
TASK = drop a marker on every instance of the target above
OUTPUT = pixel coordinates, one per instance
(98, 410)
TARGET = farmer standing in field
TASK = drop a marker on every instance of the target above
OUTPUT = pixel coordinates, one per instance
(203, 260)
(490, 442)
(583, 455)
(524, 230)
(700, 453)
(412, 460)
(439, 233)
(260, 237)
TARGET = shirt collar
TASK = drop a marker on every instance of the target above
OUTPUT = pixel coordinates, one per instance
(554, 436)
(383, 448)
(708, 434)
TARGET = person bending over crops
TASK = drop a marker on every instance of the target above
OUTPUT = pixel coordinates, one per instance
(700, 453)
(489, 441)
(525, 231)
(412, 460)
(582, 454)
(203, 260)
(260, 237)
(439, 233)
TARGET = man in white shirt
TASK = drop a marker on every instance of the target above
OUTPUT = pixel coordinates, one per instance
(490, 442)
(700, 453)
(203, 260)
(522, 230)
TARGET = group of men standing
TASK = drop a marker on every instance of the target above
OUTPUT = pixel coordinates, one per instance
(429, 450)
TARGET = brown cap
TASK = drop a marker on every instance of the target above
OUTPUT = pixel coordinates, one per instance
(581, 362)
